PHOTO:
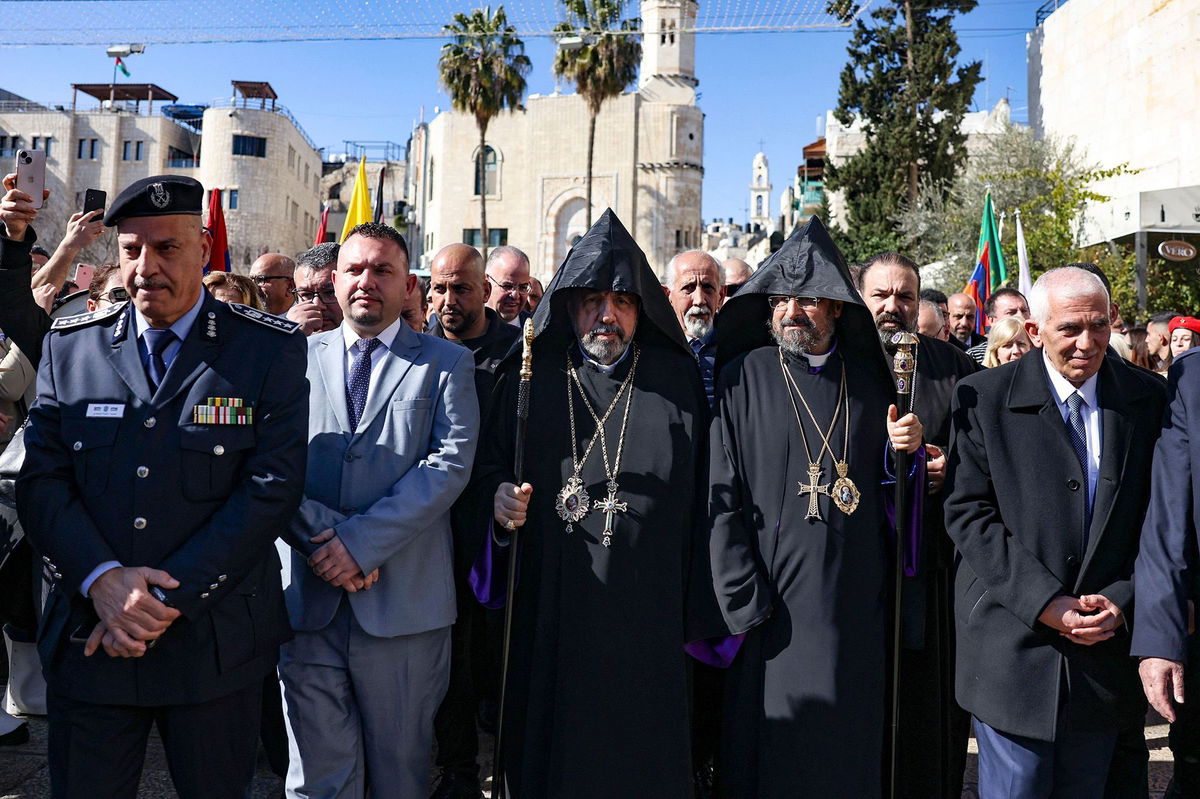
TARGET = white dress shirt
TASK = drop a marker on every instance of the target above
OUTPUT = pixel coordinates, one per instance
(1061, 389)
(386, 337)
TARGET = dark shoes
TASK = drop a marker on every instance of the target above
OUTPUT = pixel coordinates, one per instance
(15, 737)
(455, 785)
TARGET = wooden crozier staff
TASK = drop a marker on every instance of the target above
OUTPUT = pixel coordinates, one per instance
(499, 788)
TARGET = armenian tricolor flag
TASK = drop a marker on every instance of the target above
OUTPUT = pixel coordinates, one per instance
(990, 272)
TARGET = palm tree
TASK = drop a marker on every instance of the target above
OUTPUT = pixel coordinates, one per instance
(604, 66)
(483, 69)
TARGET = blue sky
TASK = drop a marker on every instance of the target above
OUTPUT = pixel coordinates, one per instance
(768, 88)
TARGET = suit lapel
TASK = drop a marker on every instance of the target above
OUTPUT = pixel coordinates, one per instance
(1116, 431)
(126, 360)
(331, 360)
(393, 366)
(1031, 390)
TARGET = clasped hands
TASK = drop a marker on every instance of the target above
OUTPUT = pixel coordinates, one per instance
(131, 619)
(1085, 620)
(334, 564)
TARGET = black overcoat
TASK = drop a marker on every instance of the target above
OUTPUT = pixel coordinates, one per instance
(1015, 512)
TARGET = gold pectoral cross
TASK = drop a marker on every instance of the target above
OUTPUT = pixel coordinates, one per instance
(813, 490)
(609, 506)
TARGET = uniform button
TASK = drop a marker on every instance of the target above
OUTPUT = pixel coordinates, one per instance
(139, 523)
(349, 457)
(1072, 560)
(222, 578)
(45, 558)
(57, 576)
(218, 450)
(204, 595)
(142, 471)
(150, 421)
(213, 587)
(78, 445)
(1073, 484)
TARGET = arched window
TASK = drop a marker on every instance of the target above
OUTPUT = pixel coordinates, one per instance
(758, 205)
(487, 172)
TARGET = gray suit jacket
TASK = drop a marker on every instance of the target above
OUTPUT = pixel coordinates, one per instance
(387, 488)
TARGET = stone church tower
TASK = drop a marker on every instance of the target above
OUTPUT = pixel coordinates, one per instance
(760, 195)
(649, 161)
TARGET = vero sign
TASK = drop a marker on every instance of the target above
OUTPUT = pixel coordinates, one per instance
(1177, 250)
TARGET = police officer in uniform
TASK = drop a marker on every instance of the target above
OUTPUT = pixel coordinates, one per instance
(165, 453)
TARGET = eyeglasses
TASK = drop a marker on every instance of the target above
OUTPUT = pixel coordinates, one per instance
(805, 303)
(115, 295)
(509, 288)
(326, 296)
(262, 279)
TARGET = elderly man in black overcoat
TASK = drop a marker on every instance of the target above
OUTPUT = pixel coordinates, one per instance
(1047, 487)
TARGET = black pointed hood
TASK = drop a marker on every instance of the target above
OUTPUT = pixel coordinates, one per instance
(608, 259)
(807, 265)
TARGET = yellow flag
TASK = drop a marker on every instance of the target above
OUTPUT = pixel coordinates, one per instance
(360, 201)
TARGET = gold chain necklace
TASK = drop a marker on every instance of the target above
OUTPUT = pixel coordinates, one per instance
(843, 491)
(573, 502)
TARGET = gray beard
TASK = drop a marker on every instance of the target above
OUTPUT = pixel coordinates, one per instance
(697, 326)
(800, 342)
(604, 352)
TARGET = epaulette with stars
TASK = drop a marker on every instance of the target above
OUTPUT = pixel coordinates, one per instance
(267, 320)
(82, 319)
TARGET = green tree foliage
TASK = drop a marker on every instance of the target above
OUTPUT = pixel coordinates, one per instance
(903, 85)
(1045, 179)
(604, 66)
(483, 68)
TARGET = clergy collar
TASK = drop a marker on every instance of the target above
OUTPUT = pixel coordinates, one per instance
(386, 336)
(603, 368)
(1061, 388)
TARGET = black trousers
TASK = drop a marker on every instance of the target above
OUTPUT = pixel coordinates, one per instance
(97, 751)
(454, 724)
(1184, 738)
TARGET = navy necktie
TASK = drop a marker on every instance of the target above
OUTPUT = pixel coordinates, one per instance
(360, 379)
(157, 341)
(1078, 436)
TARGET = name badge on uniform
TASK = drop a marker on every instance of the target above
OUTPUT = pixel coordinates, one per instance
(223, 410)
(105, 410)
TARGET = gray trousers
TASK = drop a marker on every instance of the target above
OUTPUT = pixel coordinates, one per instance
(360, 710)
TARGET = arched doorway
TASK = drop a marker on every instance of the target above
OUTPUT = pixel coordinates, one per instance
(570, 223)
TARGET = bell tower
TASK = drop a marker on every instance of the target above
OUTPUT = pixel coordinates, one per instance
(668, 41)
(760, 195)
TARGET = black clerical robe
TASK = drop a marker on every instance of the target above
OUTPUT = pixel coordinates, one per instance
(807, 694)
(597, 702)
(933, 728)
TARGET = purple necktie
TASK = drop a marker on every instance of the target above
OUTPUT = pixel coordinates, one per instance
(360, 379)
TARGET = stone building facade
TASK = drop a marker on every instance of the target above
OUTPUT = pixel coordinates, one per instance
(648, 162)
(269, 172)
(1121, 79)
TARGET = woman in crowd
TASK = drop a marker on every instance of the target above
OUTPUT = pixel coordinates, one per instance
(1006, 342)
(229, 287)
(1185, 334)
(1139, 350)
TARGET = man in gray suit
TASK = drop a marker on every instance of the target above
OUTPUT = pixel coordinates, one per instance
(391, 440)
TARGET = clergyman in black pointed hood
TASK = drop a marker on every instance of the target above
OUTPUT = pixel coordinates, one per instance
(801, 527)
(597, 702)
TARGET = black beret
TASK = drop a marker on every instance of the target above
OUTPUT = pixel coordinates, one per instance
(159, 195)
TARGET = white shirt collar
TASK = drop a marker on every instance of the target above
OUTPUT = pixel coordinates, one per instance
(1062, 387)
(182, 325)
(386, 336)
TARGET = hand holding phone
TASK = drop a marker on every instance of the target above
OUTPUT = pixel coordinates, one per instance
(31, 174)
